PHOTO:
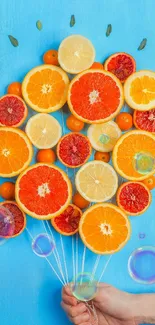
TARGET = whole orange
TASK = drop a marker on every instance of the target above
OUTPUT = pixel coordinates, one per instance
(124, 121)
(74, 124)
(97, 65)
(104, 156)
(15, 88)
(7, 191)
(51, 57)
(150, 182)
(46, 155)
(79, 201)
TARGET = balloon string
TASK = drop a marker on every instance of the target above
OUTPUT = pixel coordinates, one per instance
(95, 267)
(104, 269)
(73, 258)
(53, 269)
(64, 258)
(83, 261)
(76, 253)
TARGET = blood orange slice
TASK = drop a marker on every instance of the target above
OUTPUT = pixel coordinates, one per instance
(13, 111)
(74, 149)
(43, 191)
(104, 228)
(67, 223)
(18, 217)
(122, 65)
(95, 96)
(133, 198)
(145, 120)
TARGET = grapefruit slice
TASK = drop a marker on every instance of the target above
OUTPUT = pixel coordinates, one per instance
(13, 111)
(45, 88)
(96, 181)
(18, 217)
(121, 64)
(43, 191)
(76, 53)
(104, 136)
(95, 96)
(133, 198)
(139, 90)
(74, 149)
(67, 223)
(134, 155)
(145, 120)
(43, 130)
(104, 228)
(15, 151)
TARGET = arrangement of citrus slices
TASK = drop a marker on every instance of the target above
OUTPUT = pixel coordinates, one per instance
(94, 96)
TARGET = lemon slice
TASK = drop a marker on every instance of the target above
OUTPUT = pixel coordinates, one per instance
(104, 136)
(76, 53)
(96, 181)
(43, 130)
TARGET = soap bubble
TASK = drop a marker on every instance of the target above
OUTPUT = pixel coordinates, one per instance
(6, 224)
(144, 163)
(141, 265)
(84, 287)
(43, 245)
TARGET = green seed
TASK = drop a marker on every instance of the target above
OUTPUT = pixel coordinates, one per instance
(72, 21)
(142, 44)
(13, 40)
(39, 25)
(109, 30)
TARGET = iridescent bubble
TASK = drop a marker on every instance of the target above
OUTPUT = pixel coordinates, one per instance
(141, 265)
(104, 138)
(43, 245)
(84, 287)
(144, 163)
(6, 224)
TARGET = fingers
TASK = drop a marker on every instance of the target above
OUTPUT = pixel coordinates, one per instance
(67, 296)
(78, 315)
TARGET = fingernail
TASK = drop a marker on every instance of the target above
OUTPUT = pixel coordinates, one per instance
(86, 317)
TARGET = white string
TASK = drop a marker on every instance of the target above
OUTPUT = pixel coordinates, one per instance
(104, 269)
(73, 258)
(76, 253)
(64, 258)
(55, 252)
(95, 267)
(46, 258)
(83, 259)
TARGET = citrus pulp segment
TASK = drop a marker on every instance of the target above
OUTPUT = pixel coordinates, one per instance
(134, 155)
(43, 130)
(133, 198)
(74, 149)
(15, 151)
(96, 181)
(43, 191)
(104, 136)
(13, 111)
(45, 87)
(76, 53)
(95, 96)
(145, 120)
(19, 217)
(121, 64)
(139, 90)
(67, 223)
(104, 228)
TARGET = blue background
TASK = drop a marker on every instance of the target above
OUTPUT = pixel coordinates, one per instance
(29, 291)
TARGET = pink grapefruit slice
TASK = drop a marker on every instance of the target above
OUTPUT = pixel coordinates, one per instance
(145, 120)
(13, 111)
(95, 96)
(19, 217)
(43, 191)
(133, 198)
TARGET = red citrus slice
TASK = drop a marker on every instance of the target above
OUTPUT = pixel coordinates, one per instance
(122, 65)
(43, 191)
(74, 149)
(13, 111)
(67, 223)
(95, 96)
(145, 120)
(133, 198)
(18, 217)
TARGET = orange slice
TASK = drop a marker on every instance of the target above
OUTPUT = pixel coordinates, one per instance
(95, 96)
(43, 191)
(134, 155)
(45, 88)
(15, 151)
(104, 228)
(139, 90)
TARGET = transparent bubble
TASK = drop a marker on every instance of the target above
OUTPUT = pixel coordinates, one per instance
(141, 265)
(84, 287)
(6, 224)
(144, 163)
(104, 138)
(43, 245)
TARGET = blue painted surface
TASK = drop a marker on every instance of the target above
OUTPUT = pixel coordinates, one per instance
(29, 291)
